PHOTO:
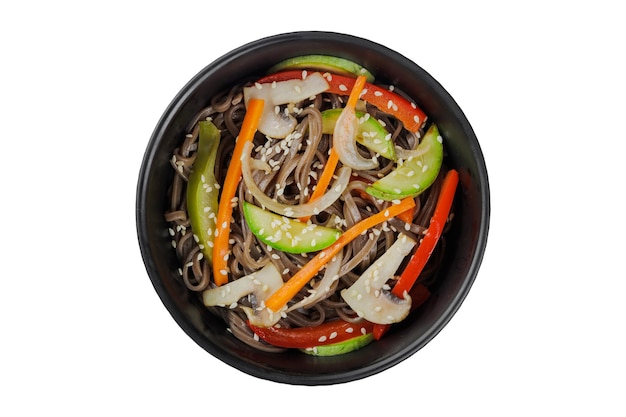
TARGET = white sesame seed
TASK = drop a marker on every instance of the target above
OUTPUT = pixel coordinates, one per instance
(343, 87)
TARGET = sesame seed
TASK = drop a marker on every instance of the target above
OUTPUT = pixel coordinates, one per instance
(322, 339)
(343, 87)
(350, 330)
(332, 335)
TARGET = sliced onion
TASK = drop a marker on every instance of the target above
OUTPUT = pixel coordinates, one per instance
(323, 288)
(297, 210)
(344, 141)
(405, 154)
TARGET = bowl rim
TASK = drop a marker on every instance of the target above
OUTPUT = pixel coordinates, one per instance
(145, 246)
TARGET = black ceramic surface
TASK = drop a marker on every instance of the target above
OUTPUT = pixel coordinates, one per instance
(466, 244)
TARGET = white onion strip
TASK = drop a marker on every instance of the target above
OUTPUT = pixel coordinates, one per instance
(344, 142)
(323, 288)
(297, 210)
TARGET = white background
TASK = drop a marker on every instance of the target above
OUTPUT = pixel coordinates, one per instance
(82, 86)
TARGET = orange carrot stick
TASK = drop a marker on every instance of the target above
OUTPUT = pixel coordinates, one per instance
(221, 250)
(331, 164)
(289, 289)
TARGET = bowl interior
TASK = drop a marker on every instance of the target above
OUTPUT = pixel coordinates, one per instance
(465, 248)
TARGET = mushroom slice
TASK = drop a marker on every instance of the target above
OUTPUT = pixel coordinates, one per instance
(257, 286)
(274, 123)
(367, 297)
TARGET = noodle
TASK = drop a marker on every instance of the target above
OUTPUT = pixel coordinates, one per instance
(294, 165)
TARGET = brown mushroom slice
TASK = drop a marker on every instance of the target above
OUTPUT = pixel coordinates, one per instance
(257, 286)
(368, 297)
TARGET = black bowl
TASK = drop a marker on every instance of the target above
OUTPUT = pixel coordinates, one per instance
(466, 243)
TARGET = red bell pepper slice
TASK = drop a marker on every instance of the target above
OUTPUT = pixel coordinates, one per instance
(428, 243)
(309, 337)
(404, 110)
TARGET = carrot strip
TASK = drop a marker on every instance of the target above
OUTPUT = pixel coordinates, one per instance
(407, 216)
(333, 159)
(289, 289)
(221, 250)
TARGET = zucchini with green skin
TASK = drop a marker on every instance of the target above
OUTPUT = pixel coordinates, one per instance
(370, 133)
(202, 192)
(340, 348)
(285, 234)
(415, 174)
(323, 63)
